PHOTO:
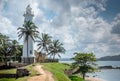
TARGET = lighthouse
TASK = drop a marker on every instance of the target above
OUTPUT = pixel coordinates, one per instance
(28, 48)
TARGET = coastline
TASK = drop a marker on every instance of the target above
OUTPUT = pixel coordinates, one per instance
(103, 74)
(93, 79)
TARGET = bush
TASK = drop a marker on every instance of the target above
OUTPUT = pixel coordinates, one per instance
(75, 78)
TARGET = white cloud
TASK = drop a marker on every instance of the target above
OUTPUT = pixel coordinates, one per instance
(78, 26)
(7, 28)
(75, 23)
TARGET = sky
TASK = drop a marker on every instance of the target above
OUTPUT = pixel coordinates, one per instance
(81, 25)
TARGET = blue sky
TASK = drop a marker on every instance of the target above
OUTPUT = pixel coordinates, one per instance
(81, 25)
(112, 8)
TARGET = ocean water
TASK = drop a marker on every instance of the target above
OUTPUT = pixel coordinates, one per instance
(105, 74)
(108, 74)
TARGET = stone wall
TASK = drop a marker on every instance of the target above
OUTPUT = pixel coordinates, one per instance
(20, 72)
(28, 60)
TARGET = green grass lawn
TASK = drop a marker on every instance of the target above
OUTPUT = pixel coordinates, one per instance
(57, 69)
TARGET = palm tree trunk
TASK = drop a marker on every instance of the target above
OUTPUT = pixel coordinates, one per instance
(53, 58)
(27, 52)
(5, 60)
(50, 56)
(15, 56)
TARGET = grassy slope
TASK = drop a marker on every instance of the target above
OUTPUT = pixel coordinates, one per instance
(13, 71)
(57, 69)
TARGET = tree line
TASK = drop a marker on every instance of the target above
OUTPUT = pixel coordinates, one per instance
(46, 45)
(9, 49)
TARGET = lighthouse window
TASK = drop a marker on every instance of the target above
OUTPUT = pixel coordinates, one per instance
(30, 51)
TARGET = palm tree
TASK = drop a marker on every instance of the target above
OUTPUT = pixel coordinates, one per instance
(3, 39)
(28, 30)
(56, 48)
(14, 48)
(4, 48)
(44, 42)
(5, 51)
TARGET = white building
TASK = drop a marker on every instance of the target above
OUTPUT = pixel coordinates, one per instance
(28, 55)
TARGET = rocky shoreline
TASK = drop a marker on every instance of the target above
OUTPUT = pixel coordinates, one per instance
(95, 78)
(108, 67)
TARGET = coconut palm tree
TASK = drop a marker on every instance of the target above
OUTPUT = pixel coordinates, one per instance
(5, 51)
(28, 30)
(3, 39)
(56, 48)
(3, 48)
(14, 48)
(44, 42)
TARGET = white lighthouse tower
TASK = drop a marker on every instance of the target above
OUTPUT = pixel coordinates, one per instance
(28, 50)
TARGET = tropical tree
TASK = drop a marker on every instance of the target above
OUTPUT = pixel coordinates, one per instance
(19, 54)
(44, 42)
(3, 39)
(56, 48)
(28, 30)
(4, 48)
(85, 62)
(8, 48)
(14, 48)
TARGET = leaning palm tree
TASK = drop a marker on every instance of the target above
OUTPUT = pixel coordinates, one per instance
(44, 42)
(56, 48)
(28, 30)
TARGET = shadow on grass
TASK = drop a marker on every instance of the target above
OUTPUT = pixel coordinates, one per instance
(8, 76)
(4, 67)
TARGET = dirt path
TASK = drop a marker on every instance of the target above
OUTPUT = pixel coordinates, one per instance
(44, 75)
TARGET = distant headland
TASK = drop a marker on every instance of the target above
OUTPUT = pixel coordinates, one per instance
(110, 58)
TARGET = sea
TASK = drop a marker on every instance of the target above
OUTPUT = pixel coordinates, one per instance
(105, 74)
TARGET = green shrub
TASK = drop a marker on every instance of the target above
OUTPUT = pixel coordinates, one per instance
(75, 78)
